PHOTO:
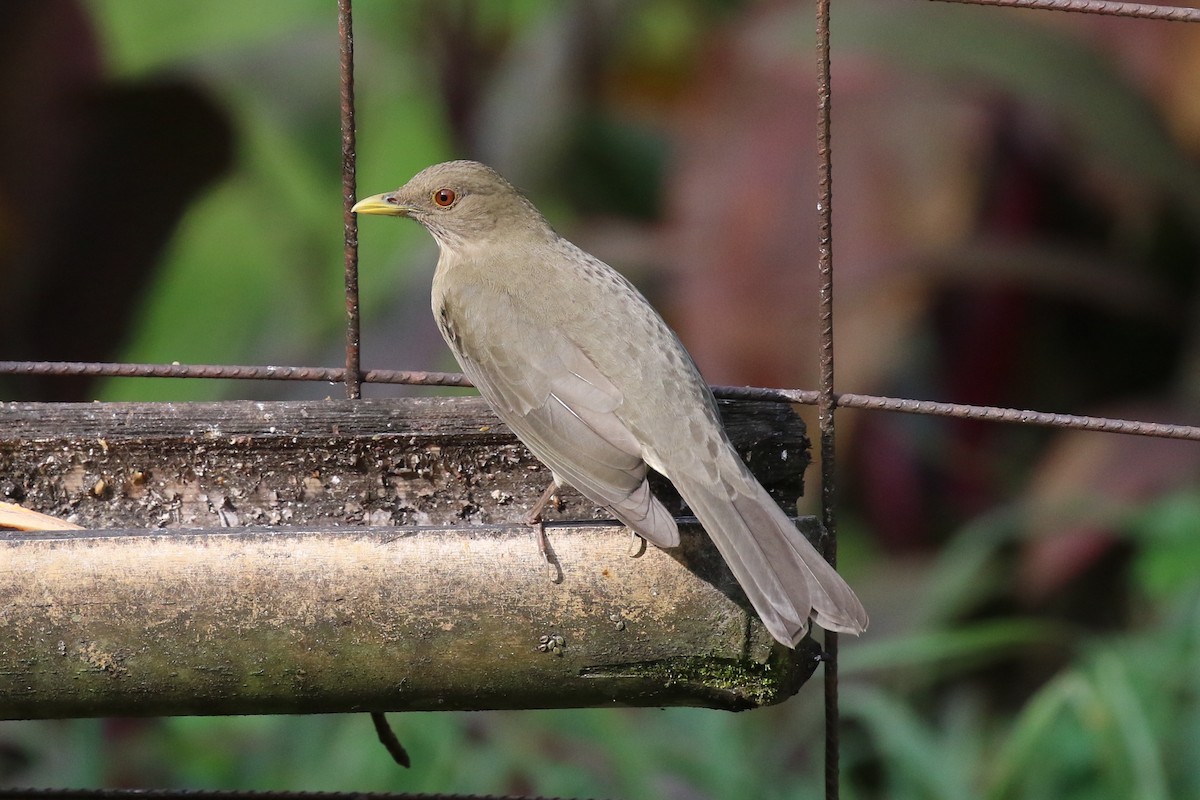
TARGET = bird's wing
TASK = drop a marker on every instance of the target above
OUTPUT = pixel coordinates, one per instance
(563, 408)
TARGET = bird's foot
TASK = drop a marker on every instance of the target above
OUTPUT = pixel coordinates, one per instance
(534, 520)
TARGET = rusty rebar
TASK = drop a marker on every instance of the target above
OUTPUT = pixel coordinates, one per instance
(1164, 430)
(227, 794)
(352, 376)
(809, 397)
(228, 372)
(1106, 7)
(175, 370)
(826, 399)
(1047, 419)
(799, 396)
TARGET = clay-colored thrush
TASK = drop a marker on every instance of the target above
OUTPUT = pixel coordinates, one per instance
(586, 373)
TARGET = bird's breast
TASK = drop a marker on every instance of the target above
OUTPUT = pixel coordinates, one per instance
(503, 312)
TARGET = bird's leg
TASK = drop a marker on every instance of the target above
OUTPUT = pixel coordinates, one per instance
(535, 513)
(534, 518)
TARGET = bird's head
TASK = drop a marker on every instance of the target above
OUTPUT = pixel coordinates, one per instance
(458, 202)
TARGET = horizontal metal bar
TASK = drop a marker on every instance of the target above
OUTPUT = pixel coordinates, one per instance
(227, 372)
(1104, 7)
(964, 411)
(1020, 416)
(802, 396)
(233, 794)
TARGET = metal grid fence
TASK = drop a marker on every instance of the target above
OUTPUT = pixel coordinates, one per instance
(352, 375)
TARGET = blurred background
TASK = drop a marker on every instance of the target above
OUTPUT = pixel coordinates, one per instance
(1017, 223)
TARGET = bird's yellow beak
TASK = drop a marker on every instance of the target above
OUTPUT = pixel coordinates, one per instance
(385, 203)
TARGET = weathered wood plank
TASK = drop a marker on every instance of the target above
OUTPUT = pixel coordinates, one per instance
(393, 578)
(427, 461)
(304, 620)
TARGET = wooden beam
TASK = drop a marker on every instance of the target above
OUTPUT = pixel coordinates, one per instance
(286, 620)
(427, 461)
(394, 578)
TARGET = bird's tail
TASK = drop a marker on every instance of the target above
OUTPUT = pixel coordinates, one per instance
(783, 575)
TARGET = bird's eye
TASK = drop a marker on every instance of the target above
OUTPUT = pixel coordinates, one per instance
(444, 197)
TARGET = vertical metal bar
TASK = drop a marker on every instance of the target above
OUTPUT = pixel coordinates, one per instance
(353, 377)
(827, 401)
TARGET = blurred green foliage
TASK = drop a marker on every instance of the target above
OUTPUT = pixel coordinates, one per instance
(961, 702)
(255, 270)
(1118, 719)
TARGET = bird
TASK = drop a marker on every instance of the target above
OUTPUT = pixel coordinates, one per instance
(579, 365)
